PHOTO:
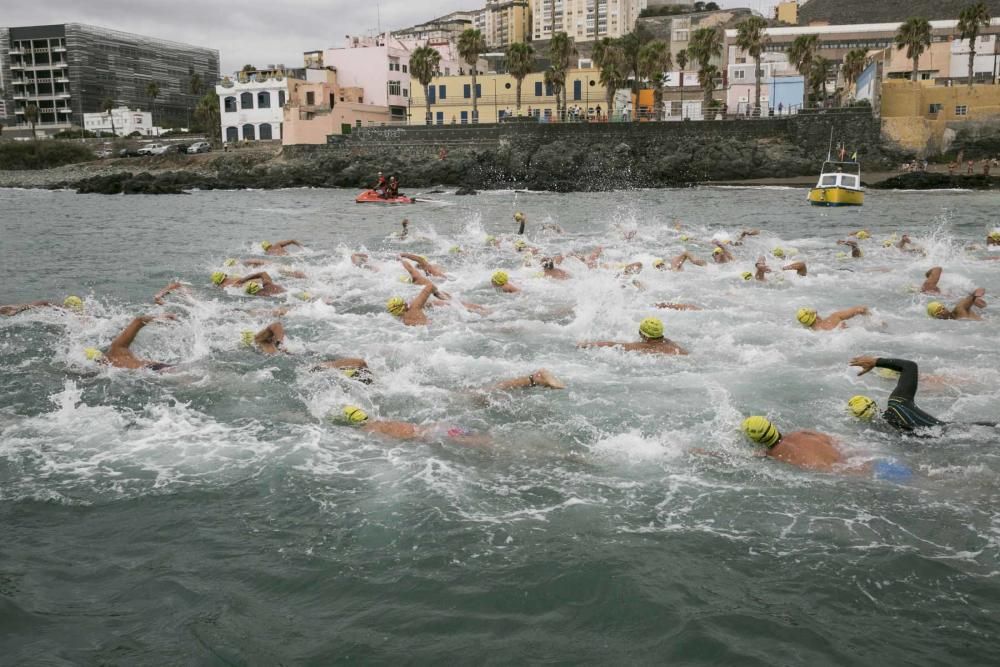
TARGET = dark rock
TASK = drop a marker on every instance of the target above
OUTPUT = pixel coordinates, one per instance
(465, 190)
(922, 180)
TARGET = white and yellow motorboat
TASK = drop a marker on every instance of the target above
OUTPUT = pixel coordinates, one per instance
(839, 185)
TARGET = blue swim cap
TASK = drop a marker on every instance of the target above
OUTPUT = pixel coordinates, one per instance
(891, 471)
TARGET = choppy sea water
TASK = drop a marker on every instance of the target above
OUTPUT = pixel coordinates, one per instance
(213, 515)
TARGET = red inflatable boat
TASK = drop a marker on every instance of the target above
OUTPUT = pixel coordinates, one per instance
(372, 197)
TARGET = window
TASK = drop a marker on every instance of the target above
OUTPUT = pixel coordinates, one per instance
(246, 101)
(935, 108)
(465, 118)
(357, 123)
(577, 90)
(739, 75)
(395, 88)
(265, 131)
(442, 92)
(961, 110)
(548, 90)
(281, 98)
(230, 105)
(850, 181)
(439, 118)
(264, 100)
(538, 89)
(828, 180)
(406, 92)
(479, 90)
(404, 69)
(310, 98)
(430, 94)
(248, 133)
(466, 91)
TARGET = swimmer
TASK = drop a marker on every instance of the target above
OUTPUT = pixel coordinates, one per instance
(406, 228)
(521, 246)
(521, 219)
(502, 283)
(721, 254)
(17, 308)
(861, 235)
(678, 306)
(652, 340)
(855, 249)
(412, 314)
(259, 284)
(540, 378)
(677, 263)
(632, 269)
(418, 278)
(549, 270)
(745, 233)
(180, 288)
(993, 238)
(808, 318)
(762, 269)
(905, 242)
(223, 279)
(492, 241)
(118, 353)
(353, 368)
(933, 276)
(355, 416)
(963, 310)
(425, 266)
(247, 262)
(360, 260)
(269, 339)
(292, 273)
(278, 248)
(798, 267)
(901, 411)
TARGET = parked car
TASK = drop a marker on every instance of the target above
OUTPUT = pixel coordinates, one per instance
(180, 148)
(199, 147)
(104, 153)
(163, 149)
(128, 152)
(151, 149)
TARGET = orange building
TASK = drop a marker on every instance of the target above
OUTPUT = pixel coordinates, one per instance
(318, 107)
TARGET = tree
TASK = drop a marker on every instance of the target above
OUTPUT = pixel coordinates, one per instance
(107, 106)
(818, 75)
(970, 20)
(654, 60)
(152, 92)
(424, 62)
(802, 53)
(207, 115)
(613, 72)
(520, 63)
(31, 115)
(915, 36)
(470, 44)
(711, 7)
(705, 44)
(682, 62)
(854, 64)
(562, 50)
(631, 45)
(248, 68)
(752, 38)
(707, 77)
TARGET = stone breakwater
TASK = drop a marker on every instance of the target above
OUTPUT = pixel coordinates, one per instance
(557, 157)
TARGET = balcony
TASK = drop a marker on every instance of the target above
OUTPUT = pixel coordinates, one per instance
(16, 66)
(59, 49)
(62, 79)
(20, 96)
(65, 110)
(17, 51)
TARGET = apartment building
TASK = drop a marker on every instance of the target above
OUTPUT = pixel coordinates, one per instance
(584, 20)
(507, 22)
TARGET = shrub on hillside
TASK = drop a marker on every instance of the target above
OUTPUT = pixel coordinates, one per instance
(20, 155)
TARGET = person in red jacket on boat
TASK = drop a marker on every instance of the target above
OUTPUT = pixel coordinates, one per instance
(392, 190)
(380, 185)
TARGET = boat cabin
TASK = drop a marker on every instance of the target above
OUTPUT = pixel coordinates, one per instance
(845, 175)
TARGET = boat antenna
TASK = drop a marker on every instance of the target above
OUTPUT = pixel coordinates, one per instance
(829, 152)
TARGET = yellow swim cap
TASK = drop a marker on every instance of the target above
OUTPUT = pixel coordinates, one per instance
(73, 303)
(887, 243)
(349, 372)
(246, 337)
(658, 263)
(995, 235)
(490, 239)
(778, 252)
(806, 316)
(747, 275)
(518, 217)
(92, 353)
(303, 296)
(651, 327)
(717, 251)
(218, 278)
(252, 287)
(520, 244)
(265, 245)
(406, 279)
(863, 235)
(841, 255)
(936, 308)
(396, 305)
(229, 262)
(862, 407)
(455, 249)
(685, 237)
(761, 431)
(354, 415)
(499, 278)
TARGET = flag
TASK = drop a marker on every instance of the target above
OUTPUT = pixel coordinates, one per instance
(854, 158)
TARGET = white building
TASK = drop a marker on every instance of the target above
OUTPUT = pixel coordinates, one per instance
(985, 64)
(125, 121)
(585, 20)
(251, 110)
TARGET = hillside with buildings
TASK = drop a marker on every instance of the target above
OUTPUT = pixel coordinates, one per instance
(841, 12)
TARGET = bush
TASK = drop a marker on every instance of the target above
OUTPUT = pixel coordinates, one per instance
(21, 155)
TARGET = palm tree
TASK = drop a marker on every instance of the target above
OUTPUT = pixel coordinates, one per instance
(424, 62)
(707, 77)
(107, 105)
(915, 37)
(654, 60)
(613, 72)
(520, 63)
(631, 45)
(705, 44)
(752, 39)
(970, 20)
(801, 53)
(31, 115)
(207, 115)
(152, 92)
(854, 64)
(470, 44)
(561, 53)
(818, 74)
(682, 61)
(600, 50)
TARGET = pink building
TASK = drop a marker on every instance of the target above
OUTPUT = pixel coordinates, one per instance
(319, 107)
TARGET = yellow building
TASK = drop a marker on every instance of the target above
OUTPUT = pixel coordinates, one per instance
(788, 12)
(507, 22)
(451, 98)
(923, 117)
(319, 107)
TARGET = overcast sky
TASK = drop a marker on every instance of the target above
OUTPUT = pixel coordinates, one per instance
(259, 32)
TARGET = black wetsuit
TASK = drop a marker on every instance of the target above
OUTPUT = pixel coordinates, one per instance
(901, 412)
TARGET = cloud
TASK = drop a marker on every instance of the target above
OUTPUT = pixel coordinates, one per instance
(252, 31)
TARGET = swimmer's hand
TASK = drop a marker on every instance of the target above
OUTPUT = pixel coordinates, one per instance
(866, 364)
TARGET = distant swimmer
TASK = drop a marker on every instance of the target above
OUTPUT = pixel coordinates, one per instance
(745, 233)
(808, 318)
(406, 228)
(268, 340)
(799, 268)
(71, 302)
(677, 263)
(856, 252)
(412, 314)
(223, 279)
(540, 378)
(250, 261)
(118, 353)
(901, 411)
(993, 238)
(180, 288)
(721, 254)
(812, 450)
(362, 261)
(353, 368)
(259, 284)
(355, 416)
(521, 219)
(521, 245)
(652, 340)
(549, 270)
(762, 269)
(963, 310)
(933, 276)
(678, 306)
(424, 265)
(278, 248)
(502, 283)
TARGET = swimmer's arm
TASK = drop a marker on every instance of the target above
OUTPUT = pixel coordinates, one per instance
(288, 242)
(21, 307)
(933, 275)
(694, 260)
(417, 259)
(906, 387)
(255, 262)
(848, 313)
(172, 287)
(417, 277)
(263, 276)
(599, 343)
(964, 307)
(125, 338)
(425, 294)
(798, 267)
(274, 332)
